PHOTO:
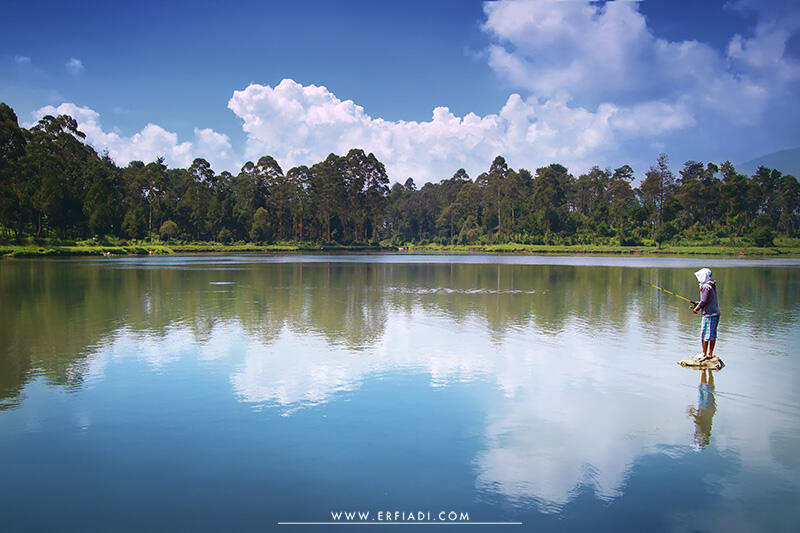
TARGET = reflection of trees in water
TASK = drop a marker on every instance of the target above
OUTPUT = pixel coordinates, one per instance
(55, 312)
(50, 315)
(544, 296)
(762, 299)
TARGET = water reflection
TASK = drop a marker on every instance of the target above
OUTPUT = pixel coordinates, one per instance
(703, 414)
(580, 359)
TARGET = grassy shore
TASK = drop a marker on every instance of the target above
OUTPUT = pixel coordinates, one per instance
(162, 248)
(783, 247)
(690, 249)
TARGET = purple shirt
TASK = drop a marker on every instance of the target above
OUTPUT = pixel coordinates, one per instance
(708, 299)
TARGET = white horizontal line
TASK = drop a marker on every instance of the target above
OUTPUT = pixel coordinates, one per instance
(408, 523)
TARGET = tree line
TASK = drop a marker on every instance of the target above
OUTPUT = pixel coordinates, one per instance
(54, 184)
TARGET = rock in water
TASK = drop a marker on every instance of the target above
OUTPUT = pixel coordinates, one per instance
(715, 363)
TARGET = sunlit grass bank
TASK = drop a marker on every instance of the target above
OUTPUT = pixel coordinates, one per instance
(679, 249)
(783, 246)
(54, 247)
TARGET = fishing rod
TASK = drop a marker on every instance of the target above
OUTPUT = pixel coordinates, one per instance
(674, 294)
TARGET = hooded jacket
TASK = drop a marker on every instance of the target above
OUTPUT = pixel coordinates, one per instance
(708, 299)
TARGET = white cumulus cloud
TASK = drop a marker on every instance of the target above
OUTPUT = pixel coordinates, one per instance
(596, 86)
(593, 54)
(151, 142)
(300, 124)
(605, 52)
(74, 66)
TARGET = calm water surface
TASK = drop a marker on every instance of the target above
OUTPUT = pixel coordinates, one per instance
(237, 393)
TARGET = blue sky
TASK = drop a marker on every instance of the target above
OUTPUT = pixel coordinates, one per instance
(428, 86)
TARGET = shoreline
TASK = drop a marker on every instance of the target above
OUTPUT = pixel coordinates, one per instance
(141, 249)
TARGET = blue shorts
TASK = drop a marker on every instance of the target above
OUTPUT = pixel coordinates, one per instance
(708, 328)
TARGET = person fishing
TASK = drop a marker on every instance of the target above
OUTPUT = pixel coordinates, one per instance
(710, 307)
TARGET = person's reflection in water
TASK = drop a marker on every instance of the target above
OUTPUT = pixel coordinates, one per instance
(704, 413)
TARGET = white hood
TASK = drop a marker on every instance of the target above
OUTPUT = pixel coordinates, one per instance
(703, 275)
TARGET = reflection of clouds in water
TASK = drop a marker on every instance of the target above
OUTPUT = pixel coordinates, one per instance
(90, 369)
(584, 407)
(549, 431)
(163, 347)
(572, 412)
(583, 391)
(575, 409)
(569, 423)
(294, 371)
(562, 419)
(536, 451)
(226, 339)
(157, 348)
(747, 430)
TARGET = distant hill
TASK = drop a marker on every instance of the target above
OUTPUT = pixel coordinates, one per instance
(787, 161)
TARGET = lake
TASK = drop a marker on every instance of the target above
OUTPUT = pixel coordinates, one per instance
(480, 393)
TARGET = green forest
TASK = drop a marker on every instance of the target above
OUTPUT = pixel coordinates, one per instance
(54, 187)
